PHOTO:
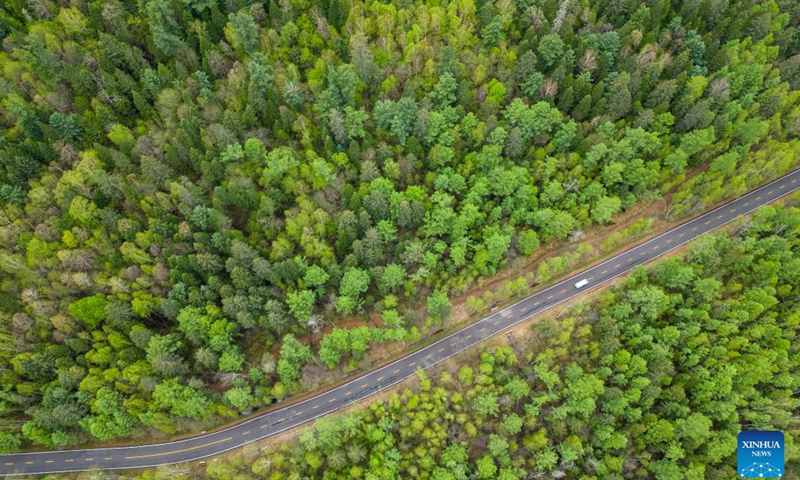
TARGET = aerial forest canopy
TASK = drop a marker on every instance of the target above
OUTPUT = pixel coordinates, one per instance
(190, 187)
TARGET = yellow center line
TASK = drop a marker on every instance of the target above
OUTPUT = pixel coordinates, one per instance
(693, 229)
(298, 413)
(8, 464)
(111, 458)
(643, 254)
(656, 247)
(746, 204)
(669, 240)
(630, 259)
(683, 234)
(707, 222)
(590, 278)
(562, 291)
(412, 364)
(427, 357)
(495, 323)
(483, 329)
(549, 297)
(783, 186)
(468, 336)
(441, 350)
(28, 463)
(603, 272)
(381, 378)
(246, 433)
(759, 198)
(331, 400)
(794, 181)
(363, 386)
(71, 460)
(48, 461)
(617, 265)
(88, 459)
(281, 420)
(348, 393)
(178, 451)
(315, 407)
(770, 192)
(397, 370)
(265, 426)
(719, 216)
(537, 303)
(452, 345)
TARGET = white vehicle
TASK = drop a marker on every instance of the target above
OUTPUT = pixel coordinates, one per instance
(581, 283)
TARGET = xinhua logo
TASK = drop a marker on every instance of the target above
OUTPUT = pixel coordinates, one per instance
(760, 454)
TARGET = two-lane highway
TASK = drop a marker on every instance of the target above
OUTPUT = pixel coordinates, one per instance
(386, 376)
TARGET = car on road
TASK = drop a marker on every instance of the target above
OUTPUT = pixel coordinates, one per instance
(581, 283)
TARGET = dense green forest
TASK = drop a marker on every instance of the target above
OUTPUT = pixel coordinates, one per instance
(653, 379)
(190, 189)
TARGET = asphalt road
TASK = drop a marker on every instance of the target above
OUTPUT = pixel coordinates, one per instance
(370, 383)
